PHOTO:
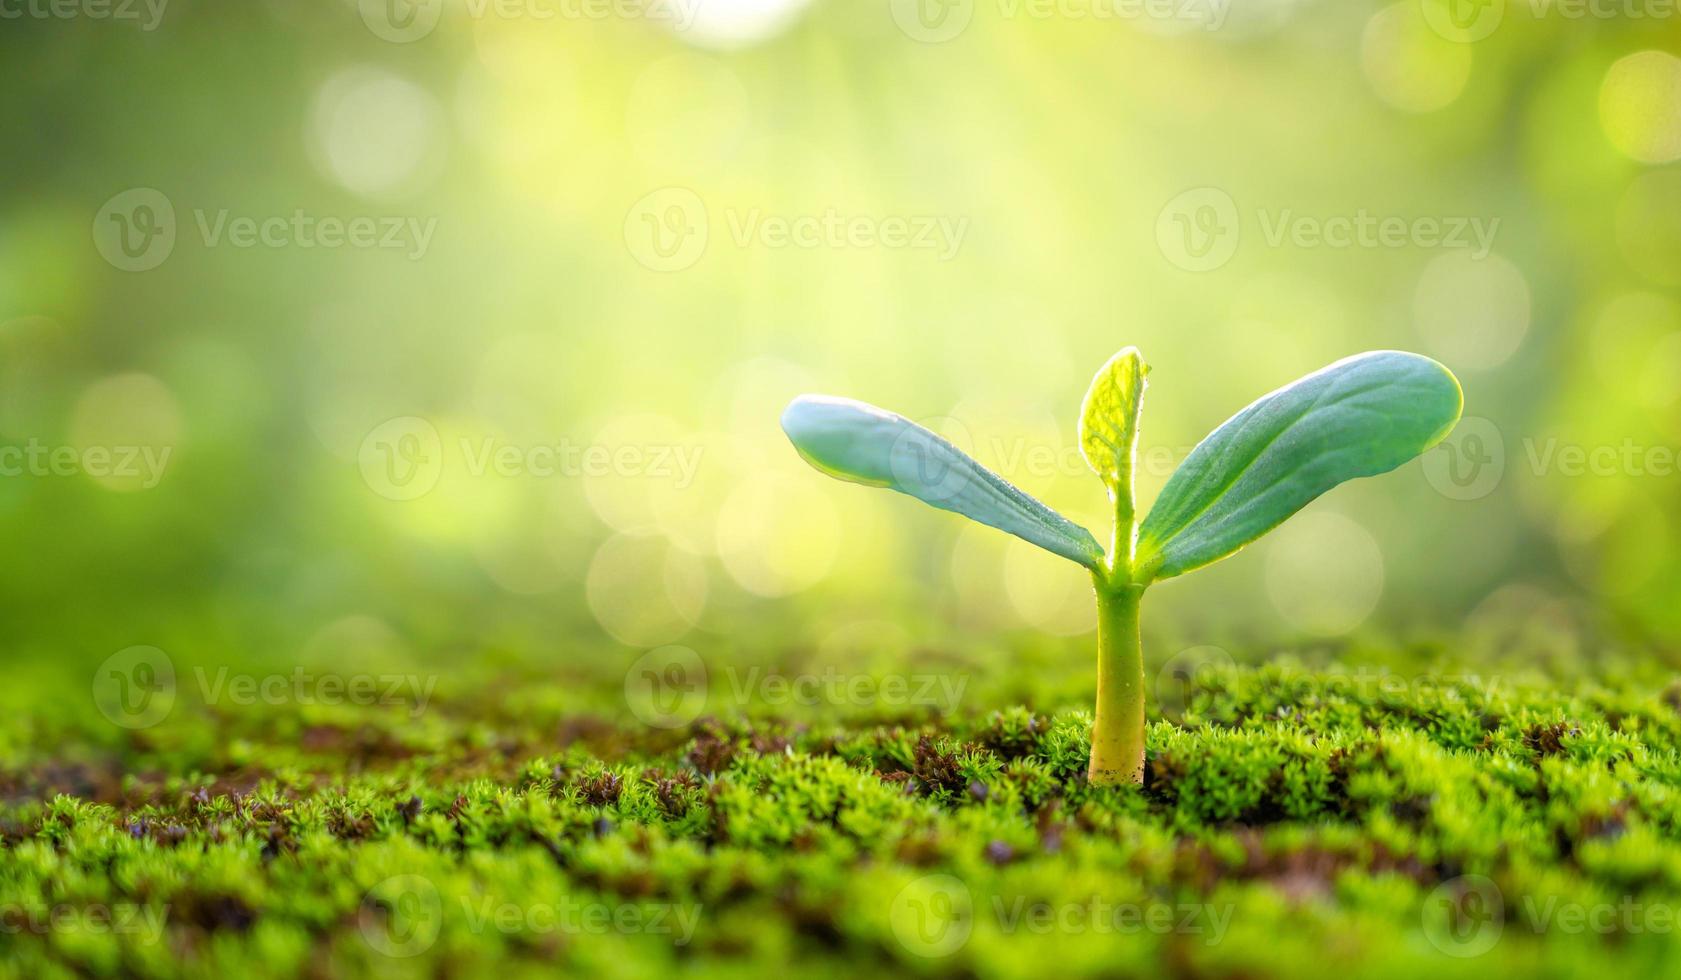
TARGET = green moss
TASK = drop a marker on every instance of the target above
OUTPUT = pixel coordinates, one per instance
(1290, 824)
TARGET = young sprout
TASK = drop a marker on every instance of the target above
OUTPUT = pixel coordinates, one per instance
(1361, 416)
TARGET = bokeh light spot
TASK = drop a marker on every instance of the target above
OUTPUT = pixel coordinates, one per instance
(977, 577)
(705, 470)
(627, 461)
(1625, 330)
(778, 535)
(34, 355)
(1324, 573)
(686, 111)
(1047, 591)
(1622, 559)
(523, 558)
(358, 641)
(133, 423)
(1640, 106)
(1472, 313)
(1659, 378)
(1410, 66)
(375, 133)
(643, 591)
(735, 23)
(1649, 225)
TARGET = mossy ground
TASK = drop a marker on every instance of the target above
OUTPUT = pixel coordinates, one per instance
(1291, 824)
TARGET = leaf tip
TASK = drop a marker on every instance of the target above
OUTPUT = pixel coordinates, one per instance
(1133, 357)
(1450, 417)
(1458, 400)
(795, 414)
(1108, 426)
(807, 416)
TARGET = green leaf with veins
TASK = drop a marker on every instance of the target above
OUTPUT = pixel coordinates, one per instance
(1361, 416)
(1109, 438)
(860, 443)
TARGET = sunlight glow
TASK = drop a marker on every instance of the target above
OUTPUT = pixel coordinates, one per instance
(737, 23)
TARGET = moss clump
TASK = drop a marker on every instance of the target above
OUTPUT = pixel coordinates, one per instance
(1289, 825)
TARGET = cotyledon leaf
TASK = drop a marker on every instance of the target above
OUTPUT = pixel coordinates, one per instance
(1361, 416)
(860, 443)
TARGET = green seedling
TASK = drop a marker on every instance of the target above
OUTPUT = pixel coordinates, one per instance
(1361, 416)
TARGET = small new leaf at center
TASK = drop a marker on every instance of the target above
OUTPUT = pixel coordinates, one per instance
(1109, 440)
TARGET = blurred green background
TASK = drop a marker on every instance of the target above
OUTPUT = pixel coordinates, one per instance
(523, 404)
